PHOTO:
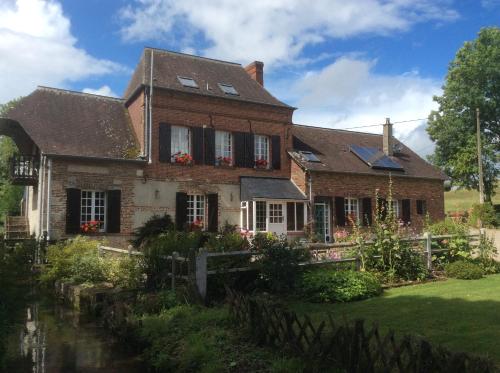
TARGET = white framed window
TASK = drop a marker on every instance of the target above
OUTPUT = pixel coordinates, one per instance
(295, 216)
(351, 208)
(180, 141)
(276, 213)
(260, 216)
(322, 221)
(196, 209)
(93, 208)
(262, 150)
(223, 147)
(394, 205)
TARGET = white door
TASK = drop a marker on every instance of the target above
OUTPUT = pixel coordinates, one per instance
(276, 216)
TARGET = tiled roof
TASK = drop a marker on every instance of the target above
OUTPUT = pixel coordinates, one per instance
(332, 147)
(269, 188)
(206, 72)
(71, 123)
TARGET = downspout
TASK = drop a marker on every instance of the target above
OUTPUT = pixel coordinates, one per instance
(145, 118)
(150, 153)
(41, 192)
(49, 193)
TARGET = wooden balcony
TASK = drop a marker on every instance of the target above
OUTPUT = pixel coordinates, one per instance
(24, 170)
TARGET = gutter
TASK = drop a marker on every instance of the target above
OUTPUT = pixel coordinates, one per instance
(150, 153)
(41, 192)
(49, 194)
(90, 158)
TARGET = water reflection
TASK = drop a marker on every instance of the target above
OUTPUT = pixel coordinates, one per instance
(55, 339)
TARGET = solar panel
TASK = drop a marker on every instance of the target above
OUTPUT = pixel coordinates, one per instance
(375, 158)
(309, 156)
(228, 89)
(187, 82)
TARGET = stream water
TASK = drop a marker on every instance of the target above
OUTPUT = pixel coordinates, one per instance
(51, 338)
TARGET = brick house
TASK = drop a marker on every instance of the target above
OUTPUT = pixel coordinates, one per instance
(203, 141)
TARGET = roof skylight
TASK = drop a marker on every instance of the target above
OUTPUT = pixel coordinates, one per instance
(228, 89)
(309, 156)
(375, 158)
(187, 82)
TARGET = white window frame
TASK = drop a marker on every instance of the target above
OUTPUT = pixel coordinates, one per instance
(351, 206)
(176, 141)
(196, 208)
(326, 216)
(223, 145)
(261, 148)
(256, 226)
(394, 203)
(102, 218)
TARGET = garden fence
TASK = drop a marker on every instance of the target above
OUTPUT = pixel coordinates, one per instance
(349, 347)
(197, 268)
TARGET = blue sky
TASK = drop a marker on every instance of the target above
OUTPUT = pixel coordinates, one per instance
(343, 64)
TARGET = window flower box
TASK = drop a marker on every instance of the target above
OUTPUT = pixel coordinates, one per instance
(182, 158)
(261, 163)
(224, 161)
(90, 227)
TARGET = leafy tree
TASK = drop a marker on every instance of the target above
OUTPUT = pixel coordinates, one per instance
(10, 195)
(473, 81)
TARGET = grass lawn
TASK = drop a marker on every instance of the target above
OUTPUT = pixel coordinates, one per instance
(464, 199)
(459, 314)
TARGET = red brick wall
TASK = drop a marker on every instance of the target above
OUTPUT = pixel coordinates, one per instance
(228, 115)
(136, 112)
(359, 186)
(298, 176)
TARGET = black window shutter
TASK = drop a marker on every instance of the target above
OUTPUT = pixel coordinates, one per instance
(239, 149)
(340, 211)
(406, 210)
(213, 212)
(73, 205)
(366, 214)
(209, 146)
(114, 201)
(164, 138)
(249, 150)
(180, 211)
(276, 152)
(197, 144)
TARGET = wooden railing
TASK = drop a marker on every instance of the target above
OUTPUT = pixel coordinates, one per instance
(24, 170)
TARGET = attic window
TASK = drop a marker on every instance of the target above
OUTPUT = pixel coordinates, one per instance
(309, 156)
(187, 82)
(228, 89)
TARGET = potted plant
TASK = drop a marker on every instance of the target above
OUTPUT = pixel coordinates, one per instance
(261, 163)
(224, 161)
(90, 227)
(182, 158)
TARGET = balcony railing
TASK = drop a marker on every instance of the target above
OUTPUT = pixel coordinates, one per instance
(24, 170)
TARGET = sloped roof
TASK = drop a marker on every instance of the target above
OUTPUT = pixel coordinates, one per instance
(71, 123)
(207, 73)
(269, 188)
(332, 147)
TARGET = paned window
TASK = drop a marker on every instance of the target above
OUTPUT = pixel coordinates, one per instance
(260, 216)
(223, 147)
(351, 207)
(196, 210)
(295, 216)
(180, 143)
(261, 150)
(93, 208)
(275, 213)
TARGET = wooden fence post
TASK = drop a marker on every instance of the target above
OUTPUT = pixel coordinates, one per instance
(129, 248)
(175, 255)
(201, 273)
(428, 249)
(358, 263)
(99, 251)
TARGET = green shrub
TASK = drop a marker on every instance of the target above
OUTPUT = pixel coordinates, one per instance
(457, 248)
(279, 262)
(152, 228)
(327, 285)
(464, 270)
(484, 213)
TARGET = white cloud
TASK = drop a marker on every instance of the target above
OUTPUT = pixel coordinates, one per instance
(105, 90)
(275, 32)
(38, 48)
(347, 93)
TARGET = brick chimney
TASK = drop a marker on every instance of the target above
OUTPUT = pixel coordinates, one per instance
(256, 71)
(388, 139)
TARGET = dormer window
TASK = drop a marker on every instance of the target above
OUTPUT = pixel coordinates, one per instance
(309, 156)
(187, 82)
(228, 89)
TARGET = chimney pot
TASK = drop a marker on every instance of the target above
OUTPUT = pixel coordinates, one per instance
(256, 71)
(388, 140)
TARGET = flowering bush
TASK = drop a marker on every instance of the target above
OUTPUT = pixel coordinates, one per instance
(90, 227)
(196, 225)
(182, 158)
(224, 161)
(261, 162)
(341, 235)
